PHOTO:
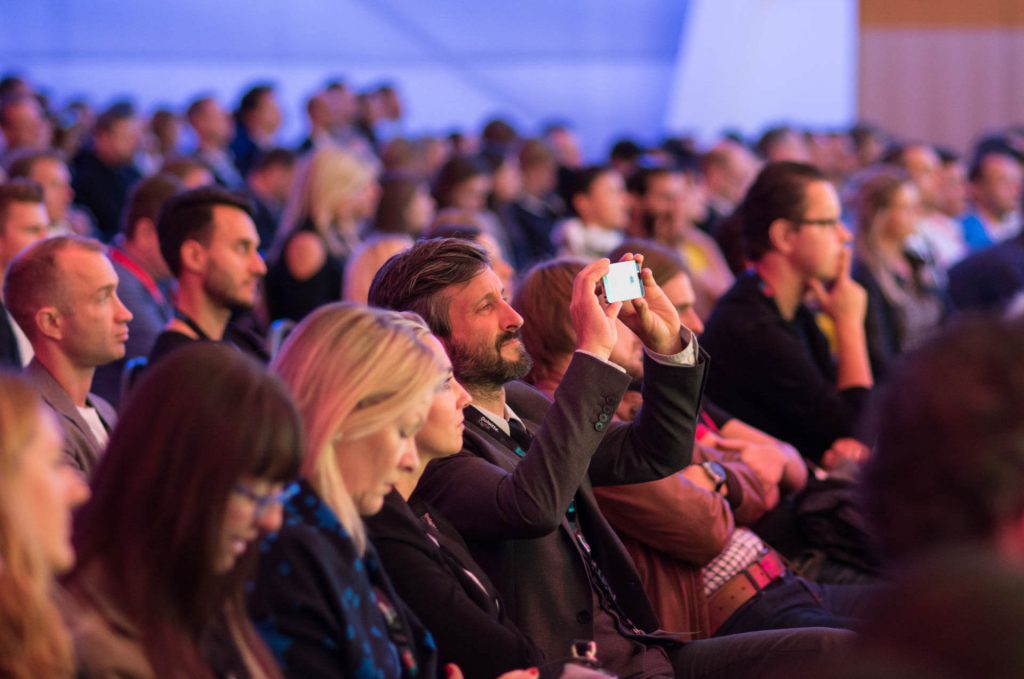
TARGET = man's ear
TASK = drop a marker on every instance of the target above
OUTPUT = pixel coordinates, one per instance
(780, 234)
(193, 256)
(49, 323)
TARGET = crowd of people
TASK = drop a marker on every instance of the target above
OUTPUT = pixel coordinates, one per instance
(360, 407)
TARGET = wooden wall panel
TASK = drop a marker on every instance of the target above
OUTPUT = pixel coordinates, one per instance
(943, 71)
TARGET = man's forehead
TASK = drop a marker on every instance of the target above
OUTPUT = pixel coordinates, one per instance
(485, 282)
(233, 223)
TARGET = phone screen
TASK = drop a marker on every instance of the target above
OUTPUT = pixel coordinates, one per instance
(622, 282)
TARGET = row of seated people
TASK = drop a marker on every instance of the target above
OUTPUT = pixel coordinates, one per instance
(533, 526)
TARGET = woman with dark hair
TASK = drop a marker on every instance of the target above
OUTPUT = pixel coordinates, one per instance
(37, 493)
(406, 206)
(180, 499)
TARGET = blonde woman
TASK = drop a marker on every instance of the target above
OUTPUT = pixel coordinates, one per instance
(905, 298)
(333, 195)
(37, 493)
(363, 384)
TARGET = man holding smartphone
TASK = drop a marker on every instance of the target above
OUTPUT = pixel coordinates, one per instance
(520, 490)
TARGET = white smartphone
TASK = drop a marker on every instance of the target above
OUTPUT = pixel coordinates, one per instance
(622, 282)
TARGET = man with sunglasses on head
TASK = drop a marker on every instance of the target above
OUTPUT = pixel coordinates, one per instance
(773, 365)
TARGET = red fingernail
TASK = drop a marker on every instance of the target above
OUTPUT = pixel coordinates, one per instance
(533, 671)
(449, 669)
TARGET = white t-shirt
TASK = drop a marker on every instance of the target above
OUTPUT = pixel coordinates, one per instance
(92, 418)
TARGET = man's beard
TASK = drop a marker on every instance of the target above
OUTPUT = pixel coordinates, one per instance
(483, 368)
(218, 288)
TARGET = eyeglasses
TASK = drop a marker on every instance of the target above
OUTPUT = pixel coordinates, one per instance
(832, 223)
(265, 502)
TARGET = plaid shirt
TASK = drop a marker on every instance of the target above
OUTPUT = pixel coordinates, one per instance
(744, 549)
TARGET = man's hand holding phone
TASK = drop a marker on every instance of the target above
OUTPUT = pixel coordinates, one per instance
(650, 314)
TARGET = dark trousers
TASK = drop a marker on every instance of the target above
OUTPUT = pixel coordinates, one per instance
(775, 653)
(792, 601)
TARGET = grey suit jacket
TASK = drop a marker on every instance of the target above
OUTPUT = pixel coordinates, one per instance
(80, 446)
(512, 511)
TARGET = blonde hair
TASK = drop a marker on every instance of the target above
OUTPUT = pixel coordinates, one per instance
(33, 639)
(352, 370)
(366, 260)
(323, 180)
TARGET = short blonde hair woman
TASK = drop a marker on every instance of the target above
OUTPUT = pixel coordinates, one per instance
(363, 383)
(37, 492)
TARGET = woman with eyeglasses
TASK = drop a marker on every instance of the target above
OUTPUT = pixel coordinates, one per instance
(37, 492)
(321, 598)
(195, 473)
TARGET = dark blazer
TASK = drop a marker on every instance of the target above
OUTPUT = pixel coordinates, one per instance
(10, 355)
(512, 511)
(80, 446)
(315, 602)
(448, 591)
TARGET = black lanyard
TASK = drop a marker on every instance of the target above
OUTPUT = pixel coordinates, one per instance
(187, 320)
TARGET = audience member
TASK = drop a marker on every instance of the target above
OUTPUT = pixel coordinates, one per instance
(172, 530)
(406, 207)
(267, 185)
(24, 126)
(729, 169)
(37, 493)
(104, 171)
(948, 429)
(773, 367)
(22, 222)
(562, 572)
(465, 183)
(321, 599)
(428, 561)
(598, 201)
(48, 169)
(144, 283)
(905, 302)
(782, 143)
(938, 237)
(667, 205)
(367, 260)
(257, 120)
(996, 184)
(213, 128)
(333, 194)
(534, 213)
(677, 525)
(209, 243)
(62, 291)
(990, 279)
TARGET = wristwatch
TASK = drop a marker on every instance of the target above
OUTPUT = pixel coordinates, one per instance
(715, 472)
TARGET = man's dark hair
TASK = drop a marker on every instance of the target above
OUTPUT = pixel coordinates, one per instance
(20, 190)
(189, 216)
(250, 101)
(976, 171)
(948, 466)
(779, 192)
(583, 179)
(639, 182)
(271, 158)
(146, 199)
(117, 112)
(417, 279)
(454, 172)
